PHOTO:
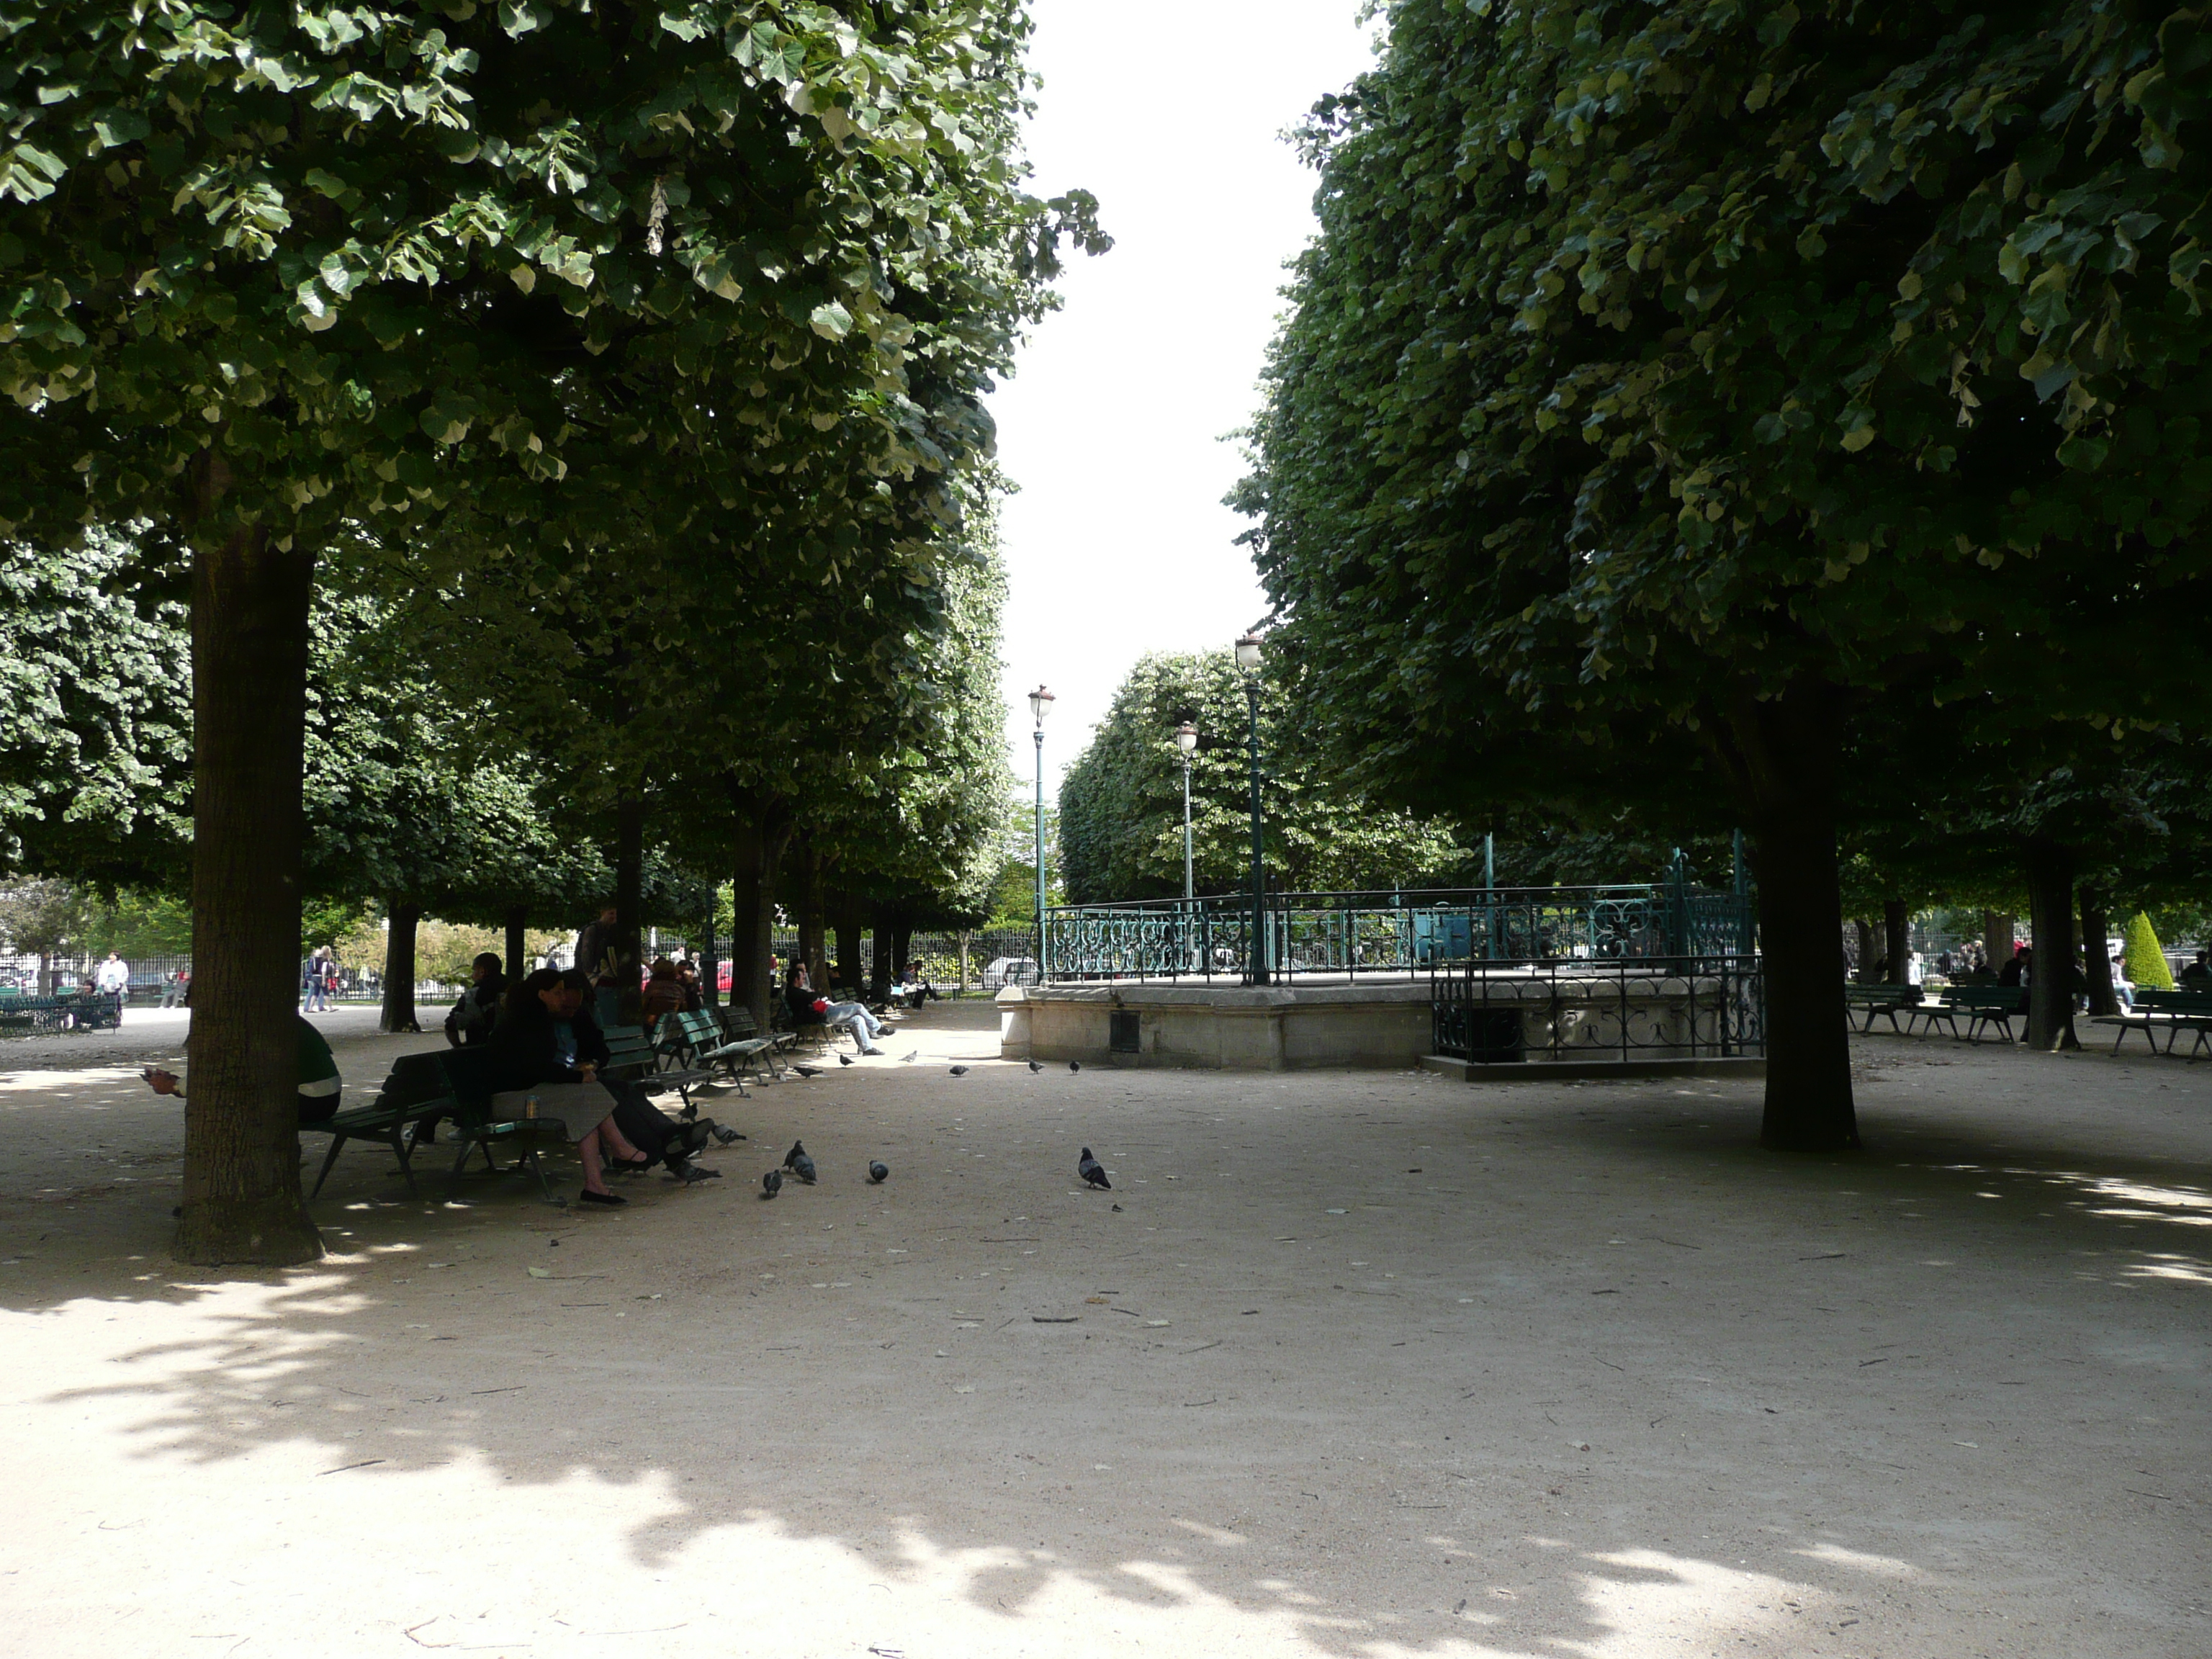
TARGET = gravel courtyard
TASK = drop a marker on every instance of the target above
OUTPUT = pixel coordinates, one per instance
(1346, 1364)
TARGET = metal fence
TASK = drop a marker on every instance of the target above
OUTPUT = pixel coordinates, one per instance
(944, 962)
(1616, 1008)
(1322, 936)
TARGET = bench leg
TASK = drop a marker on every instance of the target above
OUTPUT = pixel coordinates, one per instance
(402, 1148)
(337, 1140)
(460, 1167)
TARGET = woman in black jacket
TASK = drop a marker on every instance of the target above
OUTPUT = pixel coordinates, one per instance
(477, 1011)
(546, 1041)
(554, 1039)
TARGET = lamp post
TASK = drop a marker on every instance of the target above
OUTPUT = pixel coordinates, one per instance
(1247, 663)
(1040, 706)
(1186, 740)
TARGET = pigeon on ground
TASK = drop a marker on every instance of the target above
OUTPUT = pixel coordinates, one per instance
(960, 1070)
(798, 1150)
(844, 1059)
(1093, 1171)
(803, 1167)
(879, 1172)
(808, 1071)
(1037, 1065)
(692, 1173)
(725, 1136)
(1074, 1064)
(771, 1183)
(909, 1060)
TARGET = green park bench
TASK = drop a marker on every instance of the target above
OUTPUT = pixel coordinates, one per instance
(700, 1040)
(453, 1084)
(739, 1025)
(2172, 1011)
(1981, 1005)
(1877, 1000)
(416, 1090)
(634, 1057)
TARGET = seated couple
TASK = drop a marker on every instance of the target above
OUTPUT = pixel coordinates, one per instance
(547, 1040)
(808, 1008)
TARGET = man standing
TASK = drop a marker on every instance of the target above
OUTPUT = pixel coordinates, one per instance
(113, 979)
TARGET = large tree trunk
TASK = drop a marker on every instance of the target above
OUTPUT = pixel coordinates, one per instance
(1996, 938)
(710, 965)
(1868, 971)
(810, 920)
(882, 968)
(629, 907)
(2104, 998)
(2052, 973)
(763, 826)
(517, 963)
(1897, 934)
(398, 1014)
(848, 974)
(902, 945)
(1782, 756)
(241, 1178)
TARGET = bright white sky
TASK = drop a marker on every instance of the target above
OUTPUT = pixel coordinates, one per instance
(1171, 113)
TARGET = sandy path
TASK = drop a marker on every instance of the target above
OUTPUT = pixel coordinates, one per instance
(1363, 1364)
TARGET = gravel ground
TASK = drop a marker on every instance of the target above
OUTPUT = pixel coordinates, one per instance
(1346, 1364)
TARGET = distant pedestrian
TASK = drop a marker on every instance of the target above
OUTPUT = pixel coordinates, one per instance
(113, 979)
(175, 986)
(320, 971)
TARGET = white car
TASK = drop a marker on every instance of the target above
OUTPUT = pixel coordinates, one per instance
(1009, 970)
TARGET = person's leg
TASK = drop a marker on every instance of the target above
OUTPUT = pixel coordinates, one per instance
(587, 1149)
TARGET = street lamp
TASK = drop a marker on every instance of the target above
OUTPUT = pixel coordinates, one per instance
(1247, 663)
(1040, 706)
(1186, 740)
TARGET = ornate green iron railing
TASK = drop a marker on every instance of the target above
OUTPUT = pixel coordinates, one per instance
(1617, 1008)
(1318, 936)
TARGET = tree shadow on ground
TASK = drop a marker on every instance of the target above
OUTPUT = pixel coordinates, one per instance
(1301, 1506)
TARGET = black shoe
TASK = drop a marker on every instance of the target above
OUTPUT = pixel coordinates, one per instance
(590, 1197)
(631, 1165)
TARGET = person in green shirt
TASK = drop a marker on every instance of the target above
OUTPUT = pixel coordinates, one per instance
(319, 1083)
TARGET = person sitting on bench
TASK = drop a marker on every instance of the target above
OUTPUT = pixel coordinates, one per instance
(561, 1042)
(807, 1008)
(545, 1041)
(319, 1083)
(477, 1011)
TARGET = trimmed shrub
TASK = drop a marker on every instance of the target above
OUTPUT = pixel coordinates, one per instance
(2145, 959)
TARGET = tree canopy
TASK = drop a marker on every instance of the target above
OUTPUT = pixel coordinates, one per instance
(1120, 803)
(633, 304)
(1673, 382)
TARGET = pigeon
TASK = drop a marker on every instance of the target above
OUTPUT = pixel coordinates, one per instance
(960, 1070)
(798, 1150)
(879, 1172)
(1093, 1171)
(803, 1167)
(808, 1071)
(1037, 1065)
(1074, 1064)
(692, 1173)
(844, 1059)
(909, 1059)
(771, 1183)
(725, 1136)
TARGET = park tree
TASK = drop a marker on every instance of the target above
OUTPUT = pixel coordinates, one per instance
(95, 717)
(544, 278)
(1672, 381)
(1120, 803)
